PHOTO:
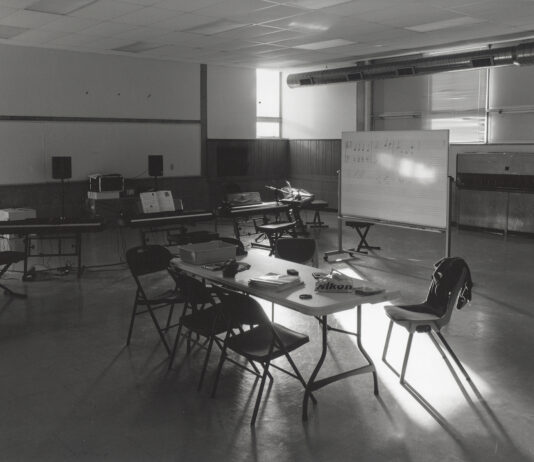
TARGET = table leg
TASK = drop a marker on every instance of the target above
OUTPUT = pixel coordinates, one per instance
(309, 386)
(314, 384)
(362, 349)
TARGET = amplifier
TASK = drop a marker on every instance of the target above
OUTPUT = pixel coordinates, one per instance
(110, 182)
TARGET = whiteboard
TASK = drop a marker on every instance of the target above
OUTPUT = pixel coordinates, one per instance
(396, 177)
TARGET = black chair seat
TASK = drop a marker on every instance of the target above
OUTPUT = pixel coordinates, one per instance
(276, 227)
(254, 344)
(420, 313)
(167, 297)
(206, 322)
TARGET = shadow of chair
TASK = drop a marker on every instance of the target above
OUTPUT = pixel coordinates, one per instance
(7, 258)
(144, 261)
(262, 343)
(450, 288)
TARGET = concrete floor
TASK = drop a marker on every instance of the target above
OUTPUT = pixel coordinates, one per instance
(72, 391)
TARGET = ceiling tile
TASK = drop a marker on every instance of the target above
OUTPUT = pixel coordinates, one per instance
(315, 4)
(186, 5)
(272, 13)
(6, 11)
(108, 28)
(38, 36)
(70, 24)
(231, 8)
(6, 32)
(28, 19)
(146, 16)
(408, 15)
(18, 4)
(141, 34)
(249, 32)
(142, 2)
(71, 41)
(184, 21)
(215, 27)
(106, 10)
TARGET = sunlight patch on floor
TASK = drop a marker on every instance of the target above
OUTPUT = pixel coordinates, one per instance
(426, 371)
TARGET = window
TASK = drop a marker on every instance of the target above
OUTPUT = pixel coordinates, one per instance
(455, 101)
(268, 120)
(458, 103)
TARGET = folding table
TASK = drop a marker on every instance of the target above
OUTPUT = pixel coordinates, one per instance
(320, 305)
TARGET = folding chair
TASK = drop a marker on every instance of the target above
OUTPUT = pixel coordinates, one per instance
(144, 261)
(450, 288)
(201, 315)
(7, 258)
(262, 344)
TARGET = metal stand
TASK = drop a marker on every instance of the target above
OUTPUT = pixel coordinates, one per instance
(369, 367)
(340, 249)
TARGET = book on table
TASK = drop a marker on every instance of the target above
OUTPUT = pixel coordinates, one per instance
(275, 281)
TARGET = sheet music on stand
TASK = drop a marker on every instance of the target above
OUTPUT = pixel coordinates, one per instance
(158, 201)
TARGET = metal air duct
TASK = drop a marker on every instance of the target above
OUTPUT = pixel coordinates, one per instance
(518, 54)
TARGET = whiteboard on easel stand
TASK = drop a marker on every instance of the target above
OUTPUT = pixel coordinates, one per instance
(396, 177)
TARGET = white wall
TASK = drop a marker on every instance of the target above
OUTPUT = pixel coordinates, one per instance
(318, 112)
(52, 83)
(231, 103)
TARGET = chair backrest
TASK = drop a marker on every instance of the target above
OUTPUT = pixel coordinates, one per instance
(243, 309)
(147, 259)
(449, 281)
(298, 250)
(193, 290)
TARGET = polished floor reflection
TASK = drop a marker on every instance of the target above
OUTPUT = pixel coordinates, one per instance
(72, 391)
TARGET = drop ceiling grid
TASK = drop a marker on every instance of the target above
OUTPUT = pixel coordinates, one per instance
(240, 29)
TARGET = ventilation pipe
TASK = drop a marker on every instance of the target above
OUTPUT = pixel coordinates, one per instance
(519, 55)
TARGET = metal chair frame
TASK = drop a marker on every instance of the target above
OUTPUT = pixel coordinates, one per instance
(276, 349)
(145, 260)
(432, 327)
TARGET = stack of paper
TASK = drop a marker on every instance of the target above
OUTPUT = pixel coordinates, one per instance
(275, 281)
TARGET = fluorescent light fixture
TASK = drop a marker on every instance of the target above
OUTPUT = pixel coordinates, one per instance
(446, 24)
(59, 6)
(215, 27)
(305, 26)
(138, 47)
(324, 44)
(7, 32)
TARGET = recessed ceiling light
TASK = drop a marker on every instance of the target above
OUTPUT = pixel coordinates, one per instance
(307, 26)
(446, 24)
(324, 44)
(138, 47)
(215, 27)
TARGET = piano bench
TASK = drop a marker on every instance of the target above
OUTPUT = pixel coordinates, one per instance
(362, 228)
(274, 231)
(316, 205)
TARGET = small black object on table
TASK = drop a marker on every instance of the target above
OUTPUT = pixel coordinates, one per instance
(362, 228)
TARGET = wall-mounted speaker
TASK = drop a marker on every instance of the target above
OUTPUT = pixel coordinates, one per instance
(155, 165)
(61, 167)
